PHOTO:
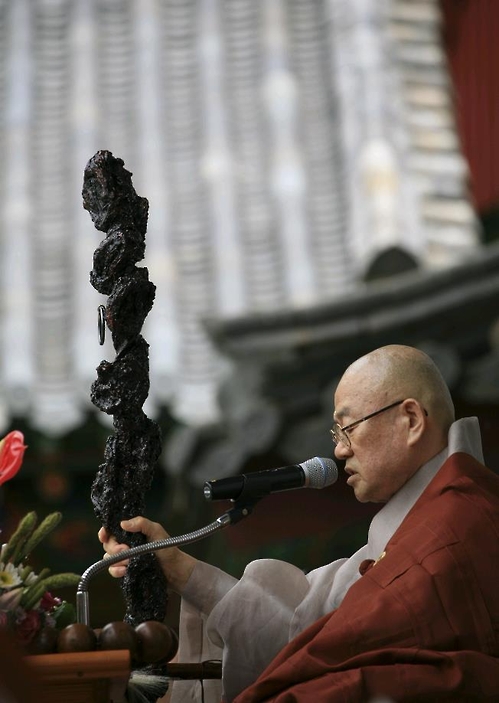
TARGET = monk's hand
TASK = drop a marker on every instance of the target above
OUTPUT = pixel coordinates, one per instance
(112, 547)
(176, 565)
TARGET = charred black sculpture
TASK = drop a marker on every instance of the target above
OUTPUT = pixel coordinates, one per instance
(122, 385)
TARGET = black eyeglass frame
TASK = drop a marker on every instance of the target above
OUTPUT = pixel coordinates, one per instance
(337, 428)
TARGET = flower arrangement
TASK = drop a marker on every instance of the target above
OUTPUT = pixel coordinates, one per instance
(27, 607)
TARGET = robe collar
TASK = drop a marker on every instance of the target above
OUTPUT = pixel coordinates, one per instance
(464, 436)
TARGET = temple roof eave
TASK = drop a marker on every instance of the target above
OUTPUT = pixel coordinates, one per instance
(430, 303)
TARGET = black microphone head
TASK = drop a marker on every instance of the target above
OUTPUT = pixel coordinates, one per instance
(319, 472)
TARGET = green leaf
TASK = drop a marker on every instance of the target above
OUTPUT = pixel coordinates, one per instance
(32, 595)
(64, 614)
(43, 529)
(18, 539)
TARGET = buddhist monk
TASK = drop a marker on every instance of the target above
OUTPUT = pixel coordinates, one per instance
(414, 614)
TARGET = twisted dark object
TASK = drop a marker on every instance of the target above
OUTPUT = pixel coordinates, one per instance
(122, 386)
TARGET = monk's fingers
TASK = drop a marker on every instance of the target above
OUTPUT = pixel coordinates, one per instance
(103, 535)
(117, 570)
(152, 530)
(109, 541)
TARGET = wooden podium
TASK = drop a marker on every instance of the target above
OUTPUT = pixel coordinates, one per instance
(100, 676)
(82, 677)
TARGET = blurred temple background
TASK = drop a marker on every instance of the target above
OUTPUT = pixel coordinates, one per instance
(322, 178)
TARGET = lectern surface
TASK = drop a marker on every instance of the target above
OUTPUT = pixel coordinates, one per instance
(82, 677)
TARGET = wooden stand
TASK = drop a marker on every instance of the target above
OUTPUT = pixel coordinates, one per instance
(82, 677)
(204, 670)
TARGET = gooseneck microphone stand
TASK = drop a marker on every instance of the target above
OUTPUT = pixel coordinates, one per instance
(240, 510)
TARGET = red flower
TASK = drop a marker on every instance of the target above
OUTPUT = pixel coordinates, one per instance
(11, 455)
(49, 602)
(28, 626)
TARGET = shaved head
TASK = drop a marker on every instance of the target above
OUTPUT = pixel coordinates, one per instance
(396, 372)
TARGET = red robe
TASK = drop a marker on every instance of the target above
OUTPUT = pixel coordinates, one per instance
(423, 623)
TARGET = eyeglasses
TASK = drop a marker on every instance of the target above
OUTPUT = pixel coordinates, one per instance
(339, 434)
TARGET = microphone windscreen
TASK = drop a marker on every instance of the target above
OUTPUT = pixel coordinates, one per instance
(319, 472)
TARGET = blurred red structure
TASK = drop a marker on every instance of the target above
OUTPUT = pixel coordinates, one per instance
(471, 31)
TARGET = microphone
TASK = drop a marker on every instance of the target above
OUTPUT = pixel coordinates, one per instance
(313, 473)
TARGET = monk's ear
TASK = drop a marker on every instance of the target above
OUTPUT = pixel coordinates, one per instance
(416, 419)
